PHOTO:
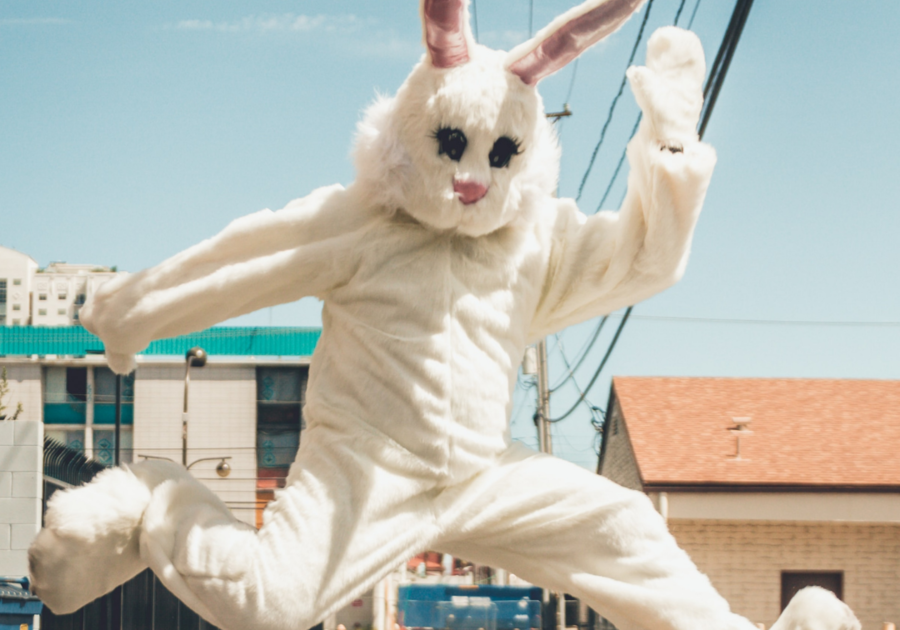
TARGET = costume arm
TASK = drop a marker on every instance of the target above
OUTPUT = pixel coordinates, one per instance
(259, 260)
(614, 259)
(601, 263)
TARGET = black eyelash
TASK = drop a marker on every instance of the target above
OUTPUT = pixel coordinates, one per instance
(451, 142)
(503, 151)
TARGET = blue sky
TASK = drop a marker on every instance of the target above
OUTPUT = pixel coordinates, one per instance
(129, 131)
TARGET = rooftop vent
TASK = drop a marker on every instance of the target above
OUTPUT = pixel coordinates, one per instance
(741, 428)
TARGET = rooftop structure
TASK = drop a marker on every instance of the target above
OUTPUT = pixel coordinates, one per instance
(792, 433)
(53, 296)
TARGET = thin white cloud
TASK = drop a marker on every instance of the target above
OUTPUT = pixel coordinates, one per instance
(386, 45)
(270, 23)
(502, 40)
(33, 21)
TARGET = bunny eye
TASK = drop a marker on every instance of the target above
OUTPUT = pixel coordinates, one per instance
(451, 142)
(502, 151)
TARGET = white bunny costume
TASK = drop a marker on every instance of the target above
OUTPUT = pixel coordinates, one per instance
(436, 267)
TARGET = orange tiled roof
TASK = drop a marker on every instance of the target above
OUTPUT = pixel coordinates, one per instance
(804, 431)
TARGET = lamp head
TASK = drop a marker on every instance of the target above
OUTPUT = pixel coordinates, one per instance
(223, 469)
(196, 357)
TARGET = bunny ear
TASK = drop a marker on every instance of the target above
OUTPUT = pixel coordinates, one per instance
(568, 36)
(445, 26)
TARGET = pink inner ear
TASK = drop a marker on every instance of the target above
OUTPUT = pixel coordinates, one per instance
(445, 32)
(573, 38)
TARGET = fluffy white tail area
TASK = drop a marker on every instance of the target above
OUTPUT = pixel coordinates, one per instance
(815, 608)
(91, 538)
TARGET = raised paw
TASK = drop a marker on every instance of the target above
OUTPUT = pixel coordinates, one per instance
(89, 544)
(669, 89)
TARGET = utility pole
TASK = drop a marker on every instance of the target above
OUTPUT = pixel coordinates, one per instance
(542, 413)
(545, 440)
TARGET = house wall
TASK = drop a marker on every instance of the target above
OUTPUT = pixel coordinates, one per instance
(619, 463)
(744, 560)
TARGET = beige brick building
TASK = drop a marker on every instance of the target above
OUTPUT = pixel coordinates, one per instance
(770, 484)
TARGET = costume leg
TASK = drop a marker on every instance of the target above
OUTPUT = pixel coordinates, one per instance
(350, 513)
(564, 528)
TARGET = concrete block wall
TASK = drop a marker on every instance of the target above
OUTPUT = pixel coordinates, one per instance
(24, 381)
(21, 463)
(744, 560)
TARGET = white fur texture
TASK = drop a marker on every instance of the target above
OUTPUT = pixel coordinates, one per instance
(428, 307)
(89, 544)
(815, 608)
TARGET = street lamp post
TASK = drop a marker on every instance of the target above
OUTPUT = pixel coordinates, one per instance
(196, 356)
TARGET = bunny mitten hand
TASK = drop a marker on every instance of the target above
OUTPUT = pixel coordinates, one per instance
(669, 90)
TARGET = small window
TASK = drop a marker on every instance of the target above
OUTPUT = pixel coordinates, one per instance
(60, 311)
(17, 322)
(793, 581)
(17, 307)
(63, 296)
(80, 298)
(42, 311)
(42, 297)
(17, 282)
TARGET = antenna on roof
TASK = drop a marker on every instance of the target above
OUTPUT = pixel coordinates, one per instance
(740, 428)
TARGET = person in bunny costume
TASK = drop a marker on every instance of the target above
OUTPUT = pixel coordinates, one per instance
(437, 266)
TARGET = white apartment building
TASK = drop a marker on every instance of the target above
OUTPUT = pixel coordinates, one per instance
(53, 296)
(17, 271)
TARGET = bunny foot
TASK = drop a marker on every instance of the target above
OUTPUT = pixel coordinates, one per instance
(89, 544)
(815, 608)
(90, 541)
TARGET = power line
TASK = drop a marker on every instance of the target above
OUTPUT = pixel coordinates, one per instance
(612, 107)
(583, 354)
(586, 402)
(615, 175)
(767, 322)
(678, 13)
(693, 15)
(612, 345)
(572, 82)
(723, 60)
(530, 18)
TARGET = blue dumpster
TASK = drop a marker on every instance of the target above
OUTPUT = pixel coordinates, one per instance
(468, 607)
(17, 605)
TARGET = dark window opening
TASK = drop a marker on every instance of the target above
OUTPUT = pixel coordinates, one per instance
(76, 383)
(280, 393)
(793, 581)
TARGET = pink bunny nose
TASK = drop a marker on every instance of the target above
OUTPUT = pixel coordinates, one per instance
(469, 191)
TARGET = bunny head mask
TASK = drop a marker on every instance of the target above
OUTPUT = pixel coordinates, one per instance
(464, 146)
